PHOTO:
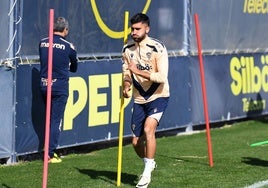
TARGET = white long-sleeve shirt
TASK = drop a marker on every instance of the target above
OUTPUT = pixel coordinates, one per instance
(150, 55)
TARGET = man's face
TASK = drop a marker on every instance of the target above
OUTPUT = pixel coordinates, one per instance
(139, 31)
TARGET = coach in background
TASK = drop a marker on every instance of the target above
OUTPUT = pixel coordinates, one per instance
(64, 60)
(145, 67)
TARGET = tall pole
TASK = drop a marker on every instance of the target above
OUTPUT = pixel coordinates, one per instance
(122, 109)
(48, 102)
(202, 74)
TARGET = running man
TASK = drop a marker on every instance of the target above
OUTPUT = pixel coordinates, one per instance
(145, 69)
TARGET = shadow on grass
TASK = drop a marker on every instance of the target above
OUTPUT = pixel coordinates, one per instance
(255, 161)
(109, 176)
(5, 185)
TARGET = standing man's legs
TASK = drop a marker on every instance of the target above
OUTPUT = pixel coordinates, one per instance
(57, 112)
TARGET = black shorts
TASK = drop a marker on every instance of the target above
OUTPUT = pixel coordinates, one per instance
(154, 109)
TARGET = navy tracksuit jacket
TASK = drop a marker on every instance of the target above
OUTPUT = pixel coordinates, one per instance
(64, 60)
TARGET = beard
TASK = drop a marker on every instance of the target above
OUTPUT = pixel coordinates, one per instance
(137, 38)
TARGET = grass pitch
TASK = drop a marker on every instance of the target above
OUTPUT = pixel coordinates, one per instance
(182, 162)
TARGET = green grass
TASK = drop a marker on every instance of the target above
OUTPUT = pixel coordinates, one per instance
(182, 162)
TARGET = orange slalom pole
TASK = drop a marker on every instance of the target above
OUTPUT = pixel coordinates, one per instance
(122, 109)
(202, 74)
(48, 102)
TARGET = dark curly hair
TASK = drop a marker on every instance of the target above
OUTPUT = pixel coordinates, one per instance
(140, 17)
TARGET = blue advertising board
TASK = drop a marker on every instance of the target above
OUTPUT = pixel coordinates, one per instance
(93, 106)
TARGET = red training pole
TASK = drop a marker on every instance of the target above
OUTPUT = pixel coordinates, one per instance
(203, 88)
(48, 104)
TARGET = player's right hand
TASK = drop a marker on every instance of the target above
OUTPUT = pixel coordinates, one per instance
(127, 92)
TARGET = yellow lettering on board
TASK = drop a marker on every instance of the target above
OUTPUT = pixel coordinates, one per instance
(97, 100)
(236, 85)
(248, 77)
(255, 6)
(74, 108)
(116, 97)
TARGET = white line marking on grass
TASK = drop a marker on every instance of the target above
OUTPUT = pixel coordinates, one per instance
(194, 157)
(258, 184)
